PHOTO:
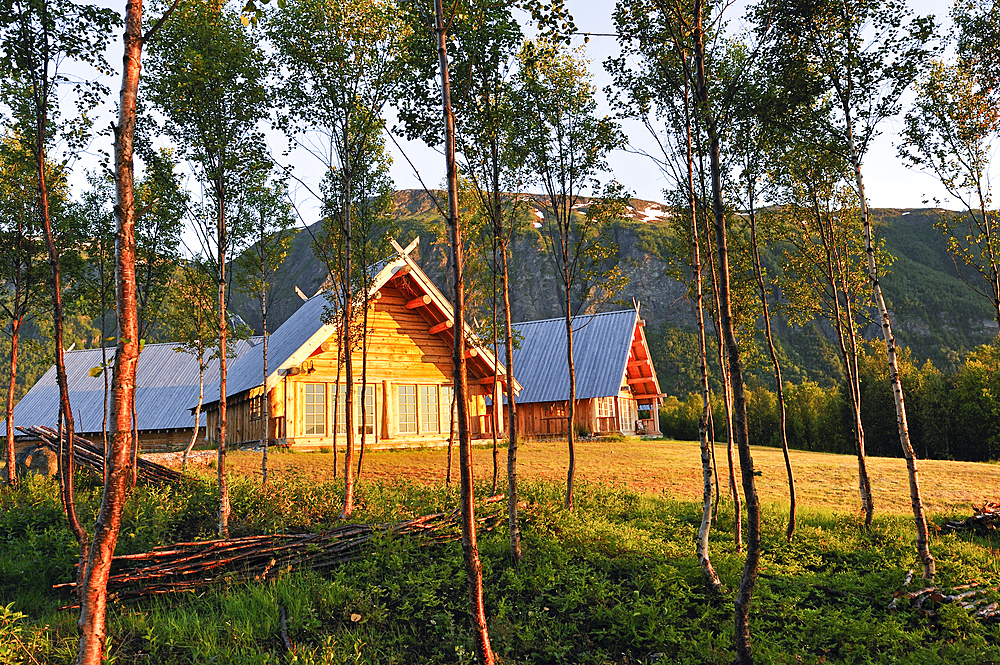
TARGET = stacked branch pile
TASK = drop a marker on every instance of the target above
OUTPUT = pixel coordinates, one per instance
(87, 455)
(975, 598)
(192, 565)
(985, 518)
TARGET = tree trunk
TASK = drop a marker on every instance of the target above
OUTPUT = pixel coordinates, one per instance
(512, 523)
(348, 351)
(223, 330)
(67, 463)
(497, 406)
(15, 326)
(836, 276)
(93, 599)
(364, 376)
(758, 271)
(741, 617)
(451, 442)
(916, 503)
(265, 406)
(706, 406)
(727, 400)
(336, 408)
(571, 405)
(197, 409)
(470, 548)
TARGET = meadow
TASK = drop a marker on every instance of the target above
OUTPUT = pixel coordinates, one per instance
(614, 581)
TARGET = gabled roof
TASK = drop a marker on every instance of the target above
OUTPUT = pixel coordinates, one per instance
(601, 345)
(166, 380)
(303, 332)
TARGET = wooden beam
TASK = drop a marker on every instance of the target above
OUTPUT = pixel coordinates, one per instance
(441, 327)
(489, 380)
(421, 301)
(641, 379)
(652, 396)
(472, 353)
(638, 364)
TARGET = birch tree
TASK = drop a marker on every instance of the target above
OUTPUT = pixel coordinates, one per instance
(271, 231)
(22, 266)
(565, 146)
(206, 76)
(825, 273)
(485, 38)
(868, 52)
(950, 132)
(37, 38)
(653, 84)
(341, 61)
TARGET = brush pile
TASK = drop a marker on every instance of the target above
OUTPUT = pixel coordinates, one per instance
(985, 518)
(974, 598)
(189, 566)
(87, 455)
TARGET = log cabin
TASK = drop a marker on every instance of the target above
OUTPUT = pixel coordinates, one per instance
(616, 386)
(166, 384)
(408, 391)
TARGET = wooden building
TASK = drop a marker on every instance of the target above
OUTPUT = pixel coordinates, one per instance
(616, 386)
(408, 390)
(166, 385)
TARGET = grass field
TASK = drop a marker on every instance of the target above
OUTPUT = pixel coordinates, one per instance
(613, 582)
(824, 481)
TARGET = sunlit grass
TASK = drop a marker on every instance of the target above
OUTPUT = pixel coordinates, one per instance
(824, 481)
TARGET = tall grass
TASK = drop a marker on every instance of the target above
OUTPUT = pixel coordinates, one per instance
(614, 581)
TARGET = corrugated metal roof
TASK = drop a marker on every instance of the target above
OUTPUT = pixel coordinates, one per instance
(601, 344)
(166, 386)
(248, 370)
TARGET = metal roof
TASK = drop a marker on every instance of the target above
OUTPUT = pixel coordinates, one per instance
(166, 385)
(247, 371)
(601, 344)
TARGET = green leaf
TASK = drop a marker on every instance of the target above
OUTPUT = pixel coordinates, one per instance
(95, 371)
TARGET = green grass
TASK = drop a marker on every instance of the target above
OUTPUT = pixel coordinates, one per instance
(615, 581)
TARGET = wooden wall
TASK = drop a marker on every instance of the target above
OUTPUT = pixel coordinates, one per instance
(549, 418)
(401, 351)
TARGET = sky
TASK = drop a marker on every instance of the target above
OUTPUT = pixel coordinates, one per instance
(889, 184)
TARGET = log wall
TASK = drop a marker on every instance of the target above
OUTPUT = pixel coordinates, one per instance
(401, 352)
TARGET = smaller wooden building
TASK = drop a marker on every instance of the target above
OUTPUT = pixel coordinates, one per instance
(408, 391)
(616, 386)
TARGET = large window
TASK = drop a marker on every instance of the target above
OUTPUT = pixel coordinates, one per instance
(407, 409)
(341, 397)
(429, 410)
(315, 409)
(369, 409)
(605, 407)
(448, 406)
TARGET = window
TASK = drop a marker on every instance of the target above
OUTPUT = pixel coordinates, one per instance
(369, 409)
(429, 410)
(341, 397)
(605, 407)
(407, 409)
(315, 409)
(257, 406)
(447, 402)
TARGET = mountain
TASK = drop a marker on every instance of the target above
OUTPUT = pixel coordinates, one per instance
(935, 313)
